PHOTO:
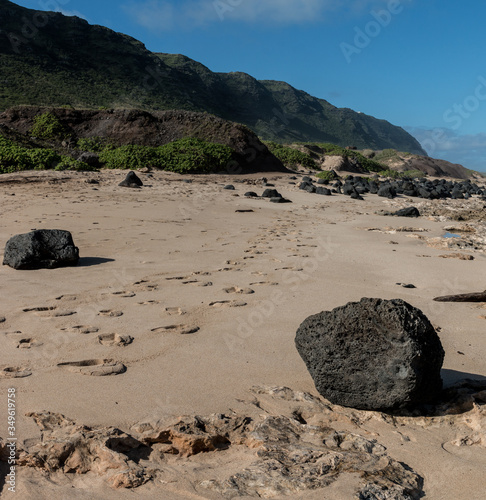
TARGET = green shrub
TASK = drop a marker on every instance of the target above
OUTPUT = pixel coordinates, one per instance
(47, 126)
(192, 155)
(394, 174)
(184, 156)
(92, 144)
(13, 158)
(43, 159)
(291, 157)
(130, 157)
(389, 154)
(68, 163)
(327, 175)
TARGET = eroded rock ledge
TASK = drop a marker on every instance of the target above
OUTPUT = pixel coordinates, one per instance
(286, 444)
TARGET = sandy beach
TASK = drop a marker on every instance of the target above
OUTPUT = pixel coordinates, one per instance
(197, 291)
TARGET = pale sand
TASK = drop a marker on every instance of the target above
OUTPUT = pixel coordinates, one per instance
(175, 248)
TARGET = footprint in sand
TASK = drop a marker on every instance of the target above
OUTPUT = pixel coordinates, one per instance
(182, 329)
(124, 293)
(174, 310)
(59, 314)
(149, 303)
(114, 339)
(110, 313)
(262, 283)
(67, 297)
(236, 289)
(46, 311)
(228, 303)
(39, 309)
(28, 343)
(15, 372)
(81, 329)
(95, 367)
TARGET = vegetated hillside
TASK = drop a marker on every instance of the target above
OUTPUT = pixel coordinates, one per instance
(54, 60)
(388, 162)
(142, 128)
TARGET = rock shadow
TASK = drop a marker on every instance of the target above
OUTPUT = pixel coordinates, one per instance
(93, 261)
(457, 397)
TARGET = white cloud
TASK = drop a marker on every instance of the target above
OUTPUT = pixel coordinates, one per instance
(167, 15)
(468, 149)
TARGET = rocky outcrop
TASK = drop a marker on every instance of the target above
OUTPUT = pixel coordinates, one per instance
(43, 248)
(374, 354)
(281, 443)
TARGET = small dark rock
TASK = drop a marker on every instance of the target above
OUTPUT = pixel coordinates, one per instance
(324, 191)
(131, 181)
(251, 194)
(229, 187)
(271, 193)
(407, 212)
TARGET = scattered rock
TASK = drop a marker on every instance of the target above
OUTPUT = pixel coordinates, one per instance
(373, 354)
(460, 256)
(230, 187)
(131, 181)
(406, 285)
(407, 212)
(271, 193)
(43, 248)
(251, 194)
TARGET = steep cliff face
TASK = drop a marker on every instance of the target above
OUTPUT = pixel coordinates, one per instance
(50, 59)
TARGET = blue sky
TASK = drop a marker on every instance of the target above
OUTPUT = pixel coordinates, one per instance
(418, 64)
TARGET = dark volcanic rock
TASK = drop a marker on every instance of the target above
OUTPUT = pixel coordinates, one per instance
(271, 193)
(387, 191)
(44, 248)
(131, 180)
(373, 355)
(407, 212)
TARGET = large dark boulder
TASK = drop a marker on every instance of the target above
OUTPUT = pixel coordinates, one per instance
(43, 248)
(373, 355)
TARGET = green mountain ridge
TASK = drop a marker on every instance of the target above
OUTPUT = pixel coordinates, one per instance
(50, 59)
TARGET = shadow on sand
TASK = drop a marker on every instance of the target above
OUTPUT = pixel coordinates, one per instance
(93, 261)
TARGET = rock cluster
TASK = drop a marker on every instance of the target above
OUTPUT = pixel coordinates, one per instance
(356, 186)
(373, 355)
(42, 248)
